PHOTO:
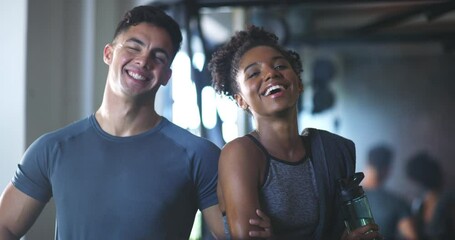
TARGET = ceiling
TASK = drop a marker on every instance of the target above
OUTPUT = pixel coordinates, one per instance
(320, 22)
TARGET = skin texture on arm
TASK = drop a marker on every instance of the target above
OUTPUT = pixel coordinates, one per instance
(213, 219)
(18, 212)
(239, 177)
(407, 228)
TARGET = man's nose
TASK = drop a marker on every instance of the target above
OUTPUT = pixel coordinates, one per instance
(144, 61)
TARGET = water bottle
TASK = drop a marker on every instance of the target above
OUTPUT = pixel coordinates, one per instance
(356, 209)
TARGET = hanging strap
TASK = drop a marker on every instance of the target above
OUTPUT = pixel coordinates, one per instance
(333, 157)
(319, 161)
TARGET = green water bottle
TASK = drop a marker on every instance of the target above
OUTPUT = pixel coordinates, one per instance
(356, 209)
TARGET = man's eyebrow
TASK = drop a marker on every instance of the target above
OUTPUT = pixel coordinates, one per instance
(161, 50)
(135, 40)
(140, 42)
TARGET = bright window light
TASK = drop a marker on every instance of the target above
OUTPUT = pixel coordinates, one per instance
(227, 109)
(185, 111)
(198, 55)
(196, 231)
(198, 60)
(230, 131)
(208, 107)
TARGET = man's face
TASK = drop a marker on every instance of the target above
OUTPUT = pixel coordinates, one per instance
(139, 61)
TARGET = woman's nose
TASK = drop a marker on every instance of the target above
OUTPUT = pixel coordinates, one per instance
(271, 73)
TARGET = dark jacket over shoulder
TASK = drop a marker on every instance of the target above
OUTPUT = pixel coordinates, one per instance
(333, 158)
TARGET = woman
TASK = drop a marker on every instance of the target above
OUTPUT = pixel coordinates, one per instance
(274, 168)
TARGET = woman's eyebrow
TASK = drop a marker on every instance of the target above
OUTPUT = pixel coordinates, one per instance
(255, 63)
(250, 65)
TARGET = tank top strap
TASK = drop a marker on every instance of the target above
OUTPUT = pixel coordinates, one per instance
(258, 144)
(305, 140)
(266, 154)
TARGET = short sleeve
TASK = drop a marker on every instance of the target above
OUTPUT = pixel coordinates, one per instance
(205, 174)
(31, 176)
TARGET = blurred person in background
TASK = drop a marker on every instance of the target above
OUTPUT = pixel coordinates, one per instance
(390, 212)
(434, 211)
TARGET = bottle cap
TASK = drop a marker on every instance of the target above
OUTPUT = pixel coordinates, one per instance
(349, 188)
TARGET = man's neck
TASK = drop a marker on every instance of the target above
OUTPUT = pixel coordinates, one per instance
(123, 119)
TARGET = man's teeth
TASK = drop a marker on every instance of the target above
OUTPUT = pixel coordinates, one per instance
(269, 91)
(136, 76)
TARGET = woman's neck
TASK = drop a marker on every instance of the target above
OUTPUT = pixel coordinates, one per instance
(281, 139)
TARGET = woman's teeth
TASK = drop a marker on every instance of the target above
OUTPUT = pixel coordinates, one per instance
(273, 88)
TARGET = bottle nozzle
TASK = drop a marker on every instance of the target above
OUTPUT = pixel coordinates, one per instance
(350, 187)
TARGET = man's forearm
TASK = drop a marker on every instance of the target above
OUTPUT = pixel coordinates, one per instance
(5, 234)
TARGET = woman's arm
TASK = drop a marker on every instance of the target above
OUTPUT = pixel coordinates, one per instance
(239, 178)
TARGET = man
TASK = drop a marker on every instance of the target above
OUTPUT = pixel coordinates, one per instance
(124, 172)
(390, 212)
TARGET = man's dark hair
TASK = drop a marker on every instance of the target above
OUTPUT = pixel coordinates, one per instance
(425, 170)
(380, 158)
(155, 16)
(225, 61)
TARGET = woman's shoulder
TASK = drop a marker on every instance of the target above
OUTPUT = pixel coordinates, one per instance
(243, 160)
(239, 144)
(242, 149)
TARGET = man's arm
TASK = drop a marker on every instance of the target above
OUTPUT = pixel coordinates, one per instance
(18, 212)
(407, 229)
(213, 218)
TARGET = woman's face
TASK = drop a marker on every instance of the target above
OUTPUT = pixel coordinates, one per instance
(267, 82)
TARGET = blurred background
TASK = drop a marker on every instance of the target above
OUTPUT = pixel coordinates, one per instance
(374, 72)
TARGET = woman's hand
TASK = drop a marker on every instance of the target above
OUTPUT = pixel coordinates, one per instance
(370, 231)
(263, 222)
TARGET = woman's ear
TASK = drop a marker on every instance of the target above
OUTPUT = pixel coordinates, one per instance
(107, 53)
(240, 101)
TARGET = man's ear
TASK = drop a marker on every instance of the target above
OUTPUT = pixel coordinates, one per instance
(301, 87)
(167, 76)
(240, 101)
(107, 53)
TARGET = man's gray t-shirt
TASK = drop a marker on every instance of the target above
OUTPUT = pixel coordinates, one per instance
(387, 209)
(147, 186)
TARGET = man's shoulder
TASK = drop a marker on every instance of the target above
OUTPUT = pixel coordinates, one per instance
(69, 131)
(184, 137)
